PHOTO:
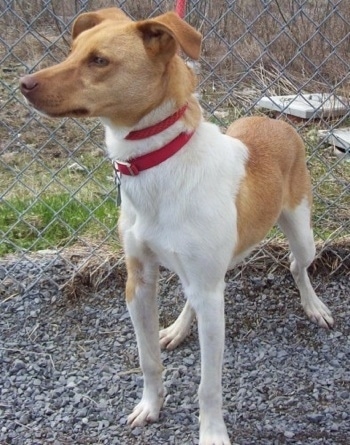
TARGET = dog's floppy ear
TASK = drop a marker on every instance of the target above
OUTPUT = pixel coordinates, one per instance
(88, 20)
(163, 34)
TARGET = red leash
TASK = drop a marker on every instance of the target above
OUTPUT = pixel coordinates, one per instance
(181, 8)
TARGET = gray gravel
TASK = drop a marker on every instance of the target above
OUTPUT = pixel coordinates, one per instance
(69, 369)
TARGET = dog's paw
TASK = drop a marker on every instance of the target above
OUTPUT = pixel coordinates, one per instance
(319, 313)
(212, 430)
(172, 336)
(144, 412)
(214, 437)
(215, 440)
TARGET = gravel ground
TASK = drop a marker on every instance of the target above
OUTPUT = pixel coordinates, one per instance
(69, 369)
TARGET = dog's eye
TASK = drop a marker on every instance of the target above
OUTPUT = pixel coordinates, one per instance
(99, 61)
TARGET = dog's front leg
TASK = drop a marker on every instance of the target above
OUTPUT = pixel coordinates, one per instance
(209, 308)
(141, 297)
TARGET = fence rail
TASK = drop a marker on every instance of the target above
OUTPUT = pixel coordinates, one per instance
(56, 187)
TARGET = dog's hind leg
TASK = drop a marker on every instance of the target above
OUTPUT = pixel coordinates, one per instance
(295, 223)
(174, 334)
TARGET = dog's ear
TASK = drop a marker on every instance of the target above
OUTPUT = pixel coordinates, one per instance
(163, 34)
(88, 20)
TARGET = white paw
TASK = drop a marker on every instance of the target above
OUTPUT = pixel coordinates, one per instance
(172, 336)
(144, 412)
(214, 438)
(319, 313)
(213, 431)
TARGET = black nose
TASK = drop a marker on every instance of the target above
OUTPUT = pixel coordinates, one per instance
(28, 83)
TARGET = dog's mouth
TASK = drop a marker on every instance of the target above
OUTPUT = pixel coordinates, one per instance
(77, 112)
(43, 110)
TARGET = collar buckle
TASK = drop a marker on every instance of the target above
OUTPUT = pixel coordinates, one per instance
(125, 167)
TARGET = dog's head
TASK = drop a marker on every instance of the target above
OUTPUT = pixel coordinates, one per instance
(117, 68)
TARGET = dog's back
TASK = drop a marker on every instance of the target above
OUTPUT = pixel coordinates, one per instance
(276, 176)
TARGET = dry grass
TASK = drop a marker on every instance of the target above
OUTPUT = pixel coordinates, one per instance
(284, 35)
(106, 269)
(101, 266)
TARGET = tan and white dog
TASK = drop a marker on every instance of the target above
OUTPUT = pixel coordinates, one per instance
(193, 199)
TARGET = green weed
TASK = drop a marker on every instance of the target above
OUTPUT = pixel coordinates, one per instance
(54, 221)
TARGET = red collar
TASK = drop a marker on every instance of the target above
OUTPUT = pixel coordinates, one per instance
(157, 128)
(149, 160)
(134, 166)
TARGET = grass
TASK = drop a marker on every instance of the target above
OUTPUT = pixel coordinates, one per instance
(53, 205)
(54, 221)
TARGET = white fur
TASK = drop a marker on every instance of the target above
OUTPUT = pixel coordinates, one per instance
(182, 214)
(185, 188)
(296, 227)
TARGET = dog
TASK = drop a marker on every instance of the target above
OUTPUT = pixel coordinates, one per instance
(193, 199)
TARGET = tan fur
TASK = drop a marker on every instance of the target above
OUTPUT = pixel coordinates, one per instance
(80, 87)
(193, 115)
(276, 176)
(90, 19)
(135, 277)
(180, 32)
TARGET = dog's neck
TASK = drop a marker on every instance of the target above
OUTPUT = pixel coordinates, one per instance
(119, 147)
(152, 130)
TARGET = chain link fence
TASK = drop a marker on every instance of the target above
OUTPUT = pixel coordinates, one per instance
(57, 196)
